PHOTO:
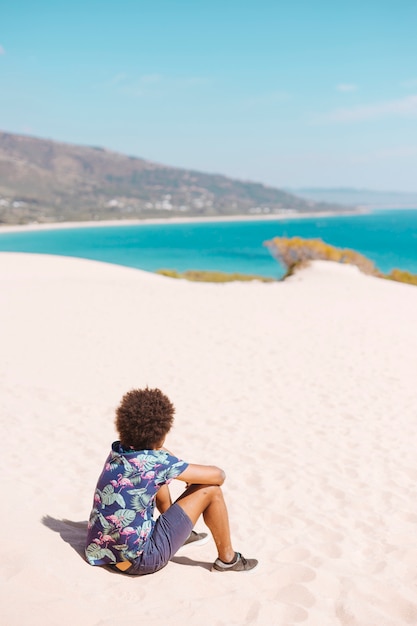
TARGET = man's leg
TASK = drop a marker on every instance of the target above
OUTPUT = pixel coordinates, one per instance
(163, 503)
(208, 500)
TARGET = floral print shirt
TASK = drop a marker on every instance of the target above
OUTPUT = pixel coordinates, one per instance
(121, 519)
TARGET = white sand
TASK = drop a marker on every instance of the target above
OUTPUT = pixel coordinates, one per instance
(288, 214)
(304, 392)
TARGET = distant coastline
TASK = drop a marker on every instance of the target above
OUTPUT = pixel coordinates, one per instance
(374, 208)
(362, 197)
(179, 220)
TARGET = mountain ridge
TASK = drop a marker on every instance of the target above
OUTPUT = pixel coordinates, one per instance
(48, 181)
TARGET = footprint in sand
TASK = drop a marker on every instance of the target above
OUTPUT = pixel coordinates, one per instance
(374, 603)
(294, 553)
(331, 550)
(292, 574)
(288, 614)
(296, 594)
(299, 573)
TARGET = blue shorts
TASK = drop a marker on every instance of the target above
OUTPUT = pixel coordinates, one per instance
(171, 529)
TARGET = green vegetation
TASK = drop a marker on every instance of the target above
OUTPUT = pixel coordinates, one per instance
(294, 253)
(212, 277)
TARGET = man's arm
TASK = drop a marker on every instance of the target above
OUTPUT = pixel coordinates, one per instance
(163, 499)
(202, 475)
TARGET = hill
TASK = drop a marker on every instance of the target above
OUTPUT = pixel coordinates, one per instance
(47, 181)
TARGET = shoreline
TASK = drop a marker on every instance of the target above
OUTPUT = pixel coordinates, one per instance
(174, 220)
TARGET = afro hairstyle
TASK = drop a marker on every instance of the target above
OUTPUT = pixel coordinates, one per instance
(143, 418)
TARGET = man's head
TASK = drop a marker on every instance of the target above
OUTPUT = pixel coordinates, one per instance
(144, 418)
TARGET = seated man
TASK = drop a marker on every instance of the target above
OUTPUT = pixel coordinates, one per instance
(122, 532)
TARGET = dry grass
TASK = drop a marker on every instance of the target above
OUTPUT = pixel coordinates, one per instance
(212, 277)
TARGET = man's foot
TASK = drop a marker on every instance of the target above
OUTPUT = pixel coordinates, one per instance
(197, 539)
(239, 564)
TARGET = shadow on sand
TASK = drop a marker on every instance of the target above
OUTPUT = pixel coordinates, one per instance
(184, 560)
(71, 532)
(75, 533)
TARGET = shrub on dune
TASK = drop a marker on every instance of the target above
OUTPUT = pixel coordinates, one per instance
(297, 252)
(294, 253)
(402, 276)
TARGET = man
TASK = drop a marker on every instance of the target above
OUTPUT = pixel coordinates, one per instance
(122, 532)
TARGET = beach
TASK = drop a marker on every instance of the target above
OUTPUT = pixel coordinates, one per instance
(303, 391)
(286, 214)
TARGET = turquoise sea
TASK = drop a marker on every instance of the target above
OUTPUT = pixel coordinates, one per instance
(389, 238)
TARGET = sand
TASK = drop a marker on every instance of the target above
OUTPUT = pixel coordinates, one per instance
(304, 392)
(283, 215)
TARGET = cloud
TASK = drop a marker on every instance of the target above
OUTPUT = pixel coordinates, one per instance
(403, 107)
(2, 50)
(346, 87)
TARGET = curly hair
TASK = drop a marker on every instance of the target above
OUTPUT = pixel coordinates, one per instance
(143, 418)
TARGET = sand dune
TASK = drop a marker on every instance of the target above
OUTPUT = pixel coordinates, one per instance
(304, 392)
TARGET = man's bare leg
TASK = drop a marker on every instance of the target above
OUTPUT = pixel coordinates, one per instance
(208, 500)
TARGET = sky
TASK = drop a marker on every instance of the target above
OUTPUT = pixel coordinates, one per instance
(307, 93)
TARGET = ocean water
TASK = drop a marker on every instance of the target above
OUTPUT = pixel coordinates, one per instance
(389, 238)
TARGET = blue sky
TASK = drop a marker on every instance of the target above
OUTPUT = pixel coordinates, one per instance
(302, 93)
